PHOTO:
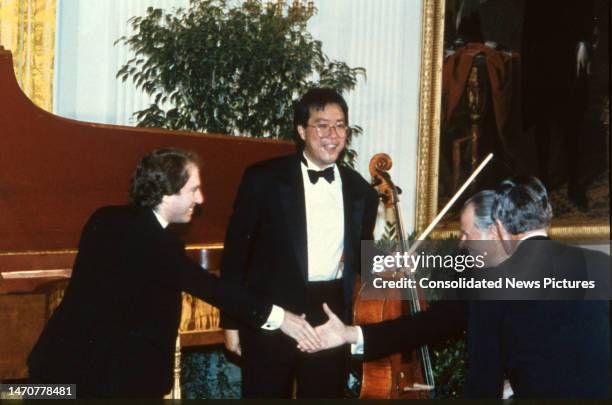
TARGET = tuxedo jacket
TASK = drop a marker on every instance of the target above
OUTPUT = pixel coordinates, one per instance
(546, 348)
(553, 348)
(266, 242)
(114, 332)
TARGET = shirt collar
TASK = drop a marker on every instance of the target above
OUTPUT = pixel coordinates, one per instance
(532, 234)
(162, 221)
(310, 164)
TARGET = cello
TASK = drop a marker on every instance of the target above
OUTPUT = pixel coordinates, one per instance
(400, 375)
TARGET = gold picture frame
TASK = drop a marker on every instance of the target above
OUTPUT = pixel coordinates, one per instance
(428, 158)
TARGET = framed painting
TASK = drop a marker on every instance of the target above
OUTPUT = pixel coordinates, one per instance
(494, 79)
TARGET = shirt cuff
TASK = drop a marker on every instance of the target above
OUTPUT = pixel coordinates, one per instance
(275, 319)
(357, 348)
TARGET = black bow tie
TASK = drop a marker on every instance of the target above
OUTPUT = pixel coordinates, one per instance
(327, 174)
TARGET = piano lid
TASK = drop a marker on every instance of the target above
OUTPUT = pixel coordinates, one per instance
(54, 172)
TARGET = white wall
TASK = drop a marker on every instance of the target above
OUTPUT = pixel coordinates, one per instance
(383, 36)
(86, 60)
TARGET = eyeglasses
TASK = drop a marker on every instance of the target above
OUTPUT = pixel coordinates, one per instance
(324, 129)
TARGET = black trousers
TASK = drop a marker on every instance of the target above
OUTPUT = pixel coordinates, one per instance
(271, 361)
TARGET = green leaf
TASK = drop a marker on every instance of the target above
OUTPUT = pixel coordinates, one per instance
(240, 65)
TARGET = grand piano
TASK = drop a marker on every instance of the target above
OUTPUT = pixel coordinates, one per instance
(54, 172)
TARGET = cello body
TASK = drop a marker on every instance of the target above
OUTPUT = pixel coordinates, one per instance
(395, 376)
(400, 375)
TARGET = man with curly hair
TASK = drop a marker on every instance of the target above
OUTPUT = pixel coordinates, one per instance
(114, 333)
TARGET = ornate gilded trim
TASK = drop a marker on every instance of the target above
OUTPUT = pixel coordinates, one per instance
(432, 43)
(430, 104)
(594, 232)
(46, 273)
(206, 246)
(40, 252)
(584, 230)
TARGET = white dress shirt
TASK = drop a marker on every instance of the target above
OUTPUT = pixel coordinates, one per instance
(324, 224)
(324, 232)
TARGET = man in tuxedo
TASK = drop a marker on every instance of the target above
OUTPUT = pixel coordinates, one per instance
(547, 348)
(295, 236)
(114, 333)
(557, 346)
(447, 317)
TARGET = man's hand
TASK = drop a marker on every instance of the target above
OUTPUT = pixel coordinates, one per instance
(299, 329)
(333, 333)
(232, 341)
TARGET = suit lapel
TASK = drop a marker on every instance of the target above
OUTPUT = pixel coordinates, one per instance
(354, 204)
(294, 209)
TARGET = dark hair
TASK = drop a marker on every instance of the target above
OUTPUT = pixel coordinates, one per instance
(483, 203)
(315, 99)
(162, 172)
(522, 205)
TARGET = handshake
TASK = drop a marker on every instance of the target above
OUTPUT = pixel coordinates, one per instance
(332, 333)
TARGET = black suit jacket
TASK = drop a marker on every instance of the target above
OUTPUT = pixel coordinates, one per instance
(265, 246)
(114, 332)
(548, 349)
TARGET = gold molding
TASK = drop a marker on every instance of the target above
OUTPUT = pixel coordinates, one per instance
(40, 252)
(580, 230)
(591, 232)
(430, 102)
(46, 273)
(432, 41)
(207, 246)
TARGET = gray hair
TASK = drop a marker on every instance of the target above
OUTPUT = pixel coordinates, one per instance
(483, 203)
